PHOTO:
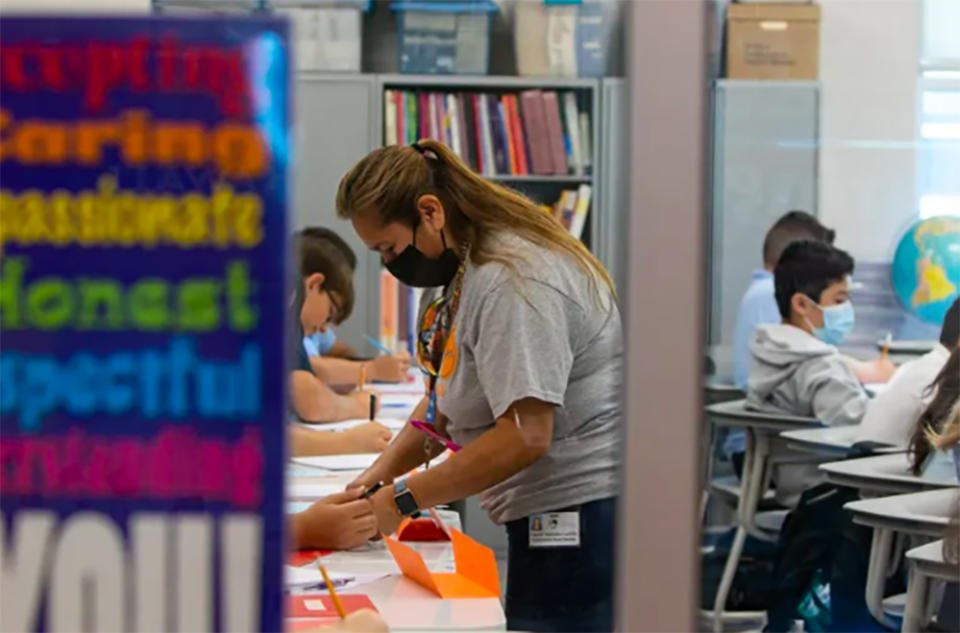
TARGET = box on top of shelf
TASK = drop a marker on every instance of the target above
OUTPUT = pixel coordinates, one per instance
(564, 38)
(444, 37)
(327, 34)
(773, 41)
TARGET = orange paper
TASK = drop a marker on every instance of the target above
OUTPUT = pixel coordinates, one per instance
(476, 575)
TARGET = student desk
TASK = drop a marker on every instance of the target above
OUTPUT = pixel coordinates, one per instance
(760, 426)
(888, 474)
(920, 513)
(926, 562)
(404, 604)
(836, 441)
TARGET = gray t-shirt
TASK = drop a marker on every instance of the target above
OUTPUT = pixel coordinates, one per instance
(538, 331)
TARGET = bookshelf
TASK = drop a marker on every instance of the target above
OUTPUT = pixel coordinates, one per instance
(544, 188)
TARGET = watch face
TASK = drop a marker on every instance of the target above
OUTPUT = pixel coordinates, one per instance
(405, 503)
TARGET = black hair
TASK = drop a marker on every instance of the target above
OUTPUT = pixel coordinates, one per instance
(325, 234)
(808, 267)
(793, 226)
(950, 332)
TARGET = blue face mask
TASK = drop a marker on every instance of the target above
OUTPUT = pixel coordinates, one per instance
(838, 322)
(319, 343)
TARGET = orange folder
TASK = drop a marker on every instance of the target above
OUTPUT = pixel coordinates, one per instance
(476, 575)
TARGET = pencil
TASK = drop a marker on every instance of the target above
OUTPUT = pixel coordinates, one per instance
(373, 406)
(886, 345)
(363, 376)
(378, 345)
(333, 593)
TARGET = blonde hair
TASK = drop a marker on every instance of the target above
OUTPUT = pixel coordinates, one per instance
(388, 181)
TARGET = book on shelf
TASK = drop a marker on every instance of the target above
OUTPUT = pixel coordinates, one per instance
(571, 209)
(530, 132)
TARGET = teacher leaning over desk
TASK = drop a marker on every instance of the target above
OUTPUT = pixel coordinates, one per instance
(520, 336)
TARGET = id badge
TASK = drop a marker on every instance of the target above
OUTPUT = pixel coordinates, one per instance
(554, 529)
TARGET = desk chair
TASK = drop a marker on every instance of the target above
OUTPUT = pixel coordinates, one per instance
(715, 392)
(923, 514)
(926, 563)
(760, 427)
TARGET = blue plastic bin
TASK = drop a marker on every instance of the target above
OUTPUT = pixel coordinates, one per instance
(443, 38)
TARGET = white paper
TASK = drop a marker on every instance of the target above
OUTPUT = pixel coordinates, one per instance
(356, 461)
(309, 575)
(310, 492)
(297, 470)
(294, 507)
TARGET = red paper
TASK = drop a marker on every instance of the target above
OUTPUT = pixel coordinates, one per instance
(320, 605)
(306, 556)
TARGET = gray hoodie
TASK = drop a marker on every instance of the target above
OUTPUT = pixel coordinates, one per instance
(795, 373)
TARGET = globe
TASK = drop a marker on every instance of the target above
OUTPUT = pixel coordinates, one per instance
(926, 267)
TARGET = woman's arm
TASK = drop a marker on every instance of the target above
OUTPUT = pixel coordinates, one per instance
(403, 455)
(365, 438)
(506, 449)
(313, 401)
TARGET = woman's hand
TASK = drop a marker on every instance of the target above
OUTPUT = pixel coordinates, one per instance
(340, 521)
(390, 368)
(385, 510)
(371, 437)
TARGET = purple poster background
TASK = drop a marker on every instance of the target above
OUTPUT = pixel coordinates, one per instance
(143, 169)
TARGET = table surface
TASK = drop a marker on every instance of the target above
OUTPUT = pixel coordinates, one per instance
(890, 473)
(929, 559)
(835, 440)
(405, 605)
(735, 413)
(925, 512)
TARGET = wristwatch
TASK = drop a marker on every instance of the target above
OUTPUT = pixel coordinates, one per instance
(403, 498)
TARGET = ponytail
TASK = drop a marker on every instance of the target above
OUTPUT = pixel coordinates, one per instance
(388, 181)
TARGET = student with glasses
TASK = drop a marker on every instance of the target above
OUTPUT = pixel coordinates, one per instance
(521, 341)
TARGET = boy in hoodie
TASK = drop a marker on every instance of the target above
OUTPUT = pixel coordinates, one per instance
(796, 368)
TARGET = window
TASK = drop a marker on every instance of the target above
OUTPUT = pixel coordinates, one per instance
(938, 158)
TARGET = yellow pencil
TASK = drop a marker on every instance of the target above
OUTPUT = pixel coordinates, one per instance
(886, 345)
(333, 593)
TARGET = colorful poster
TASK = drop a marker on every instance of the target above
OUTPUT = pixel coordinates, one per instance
(143, 168)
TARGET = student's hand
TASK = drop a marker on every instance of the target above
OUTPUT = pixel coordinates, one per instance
(877, 370)
(340, 521)
(368, 479)
(361, 401)
(371, 437)
(390, 368)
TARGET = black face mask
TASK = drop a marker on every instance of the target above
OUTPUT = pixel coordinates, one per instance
(415, 269)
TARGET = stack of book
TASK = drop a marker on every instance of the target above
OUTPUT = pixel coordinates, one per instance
(535, 132)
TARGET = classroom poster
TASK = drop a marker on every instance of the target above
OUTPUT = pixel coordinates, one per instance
(143, 168)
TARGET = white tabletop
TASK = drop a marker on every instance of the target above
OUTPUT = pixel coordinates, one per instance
(916, 513)
(835, 440)
(889, 474)
(405, 605)
(736, 413)
(929, 559)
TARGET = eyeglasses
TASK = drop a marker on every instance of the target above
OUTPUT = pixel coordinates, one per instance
(335, 310)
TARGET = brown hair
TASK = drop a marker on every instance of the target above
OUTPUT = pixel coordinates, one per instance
(320, 255)
(390, 180)
(938, 426)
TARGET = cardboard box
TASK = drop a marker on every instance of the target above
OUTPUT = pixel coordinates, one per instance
(773, 41)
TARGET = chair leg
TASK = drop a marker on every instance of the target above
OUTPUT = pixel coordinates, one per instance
(726, 581)
(916, 607)
(877, 574)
